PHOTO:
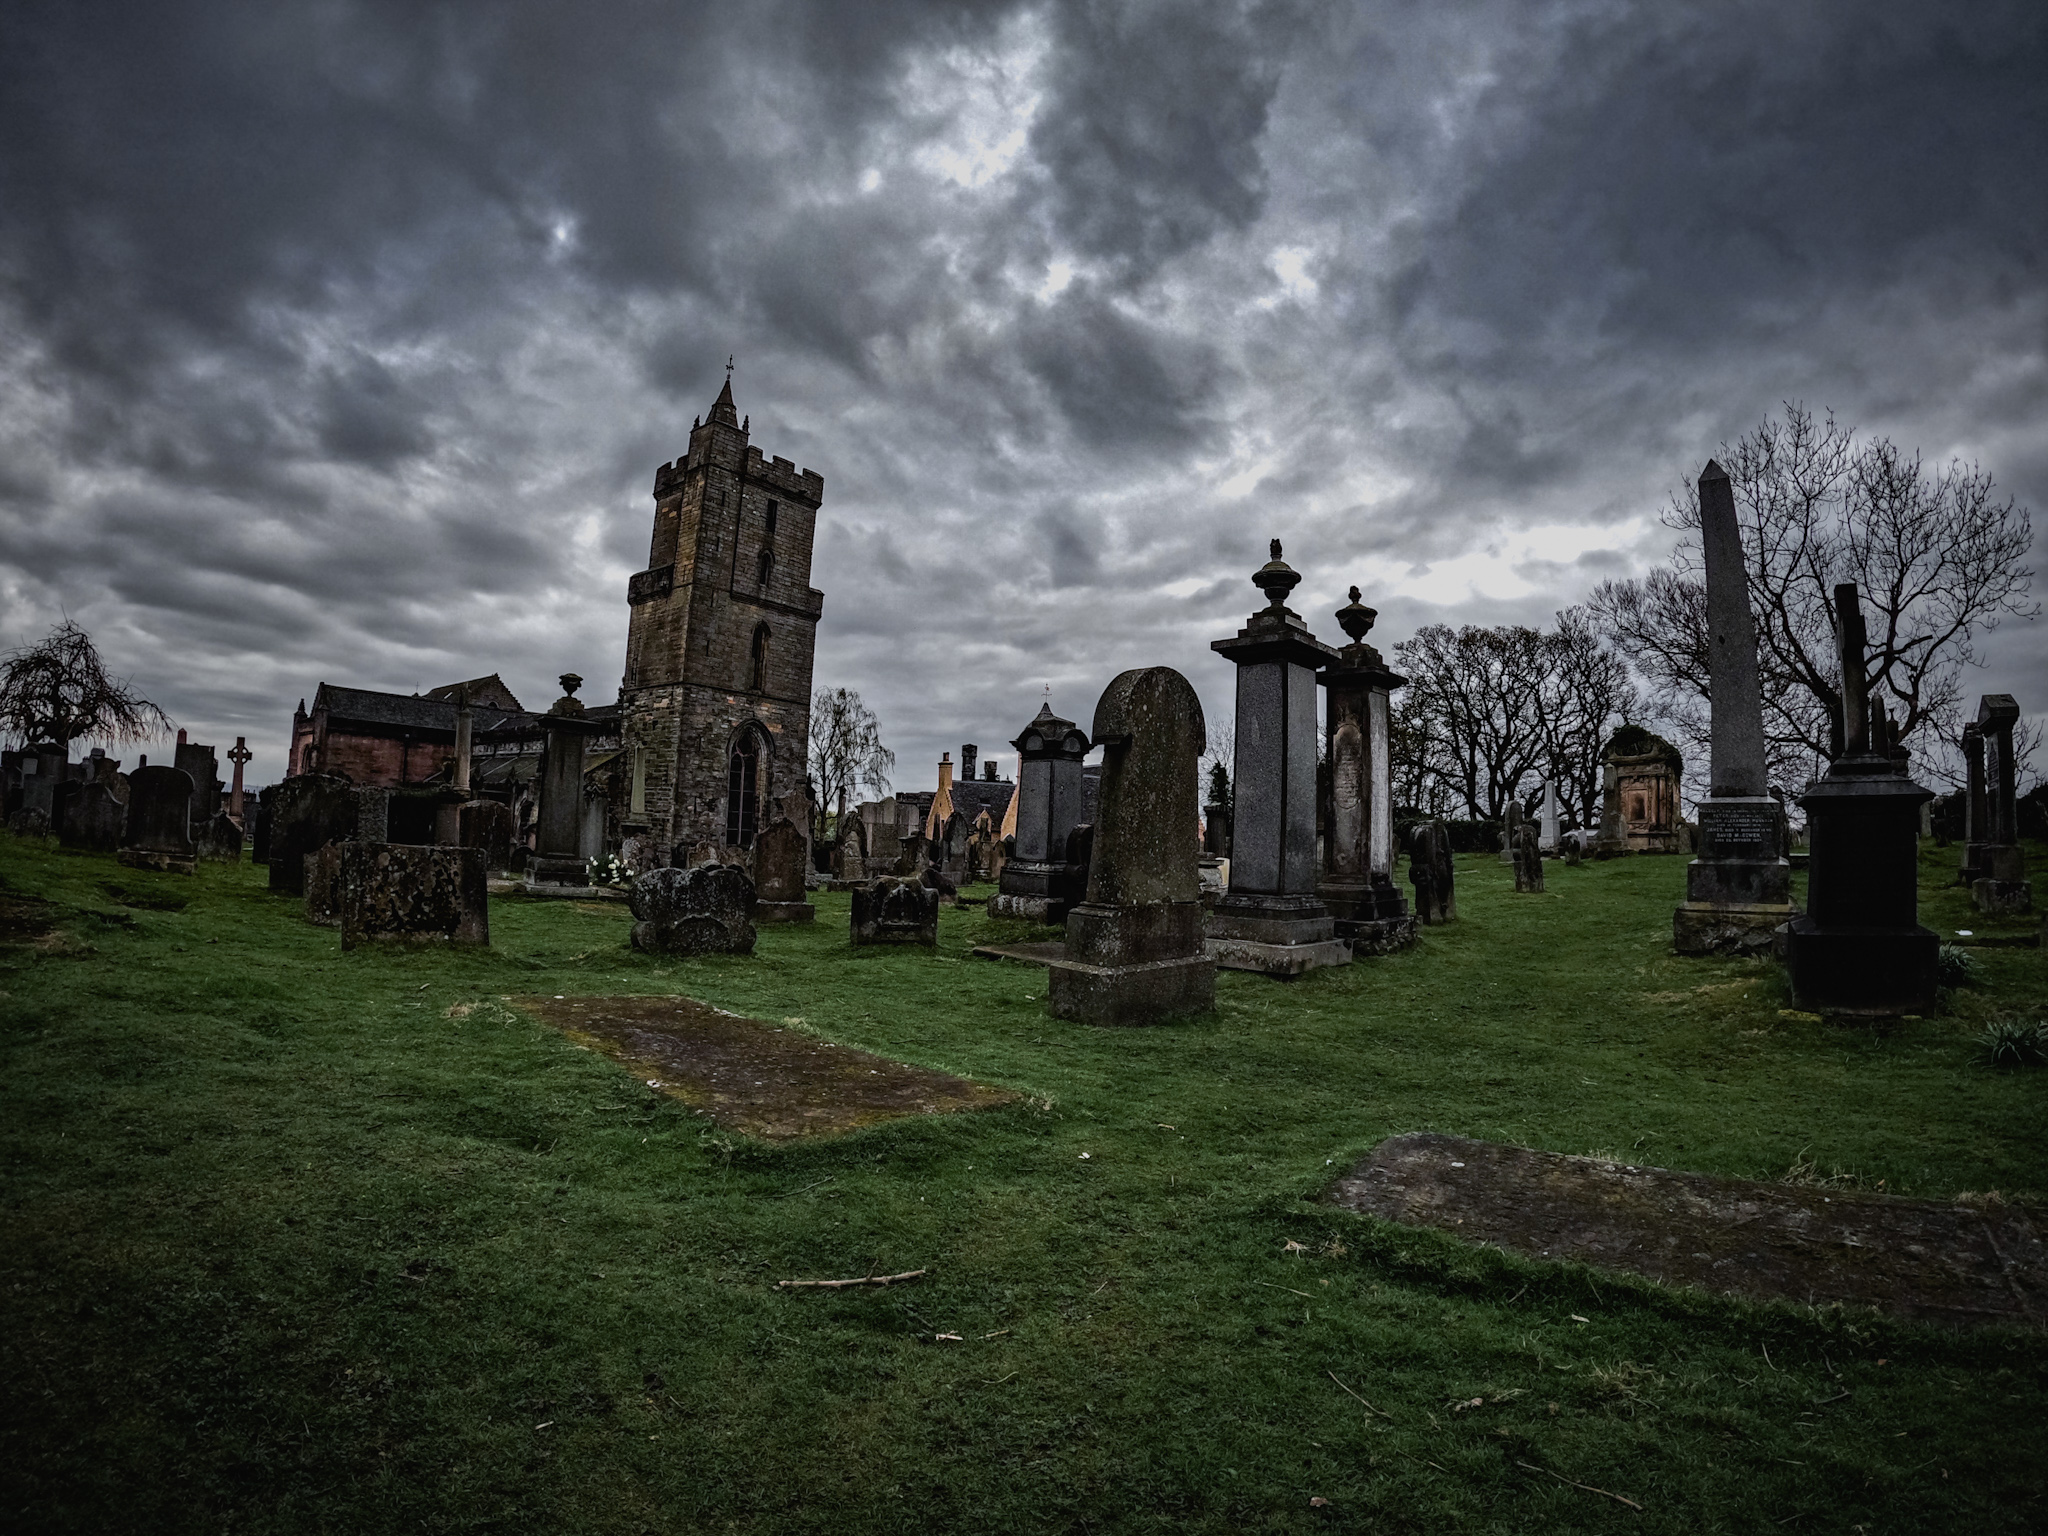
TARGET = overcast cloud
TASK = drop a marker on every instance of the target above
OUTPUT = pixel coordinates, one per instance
(341, 341)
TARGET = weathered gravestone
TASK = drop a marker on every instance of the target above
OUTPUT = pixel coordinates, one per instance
(1271, 920)
(1547, 840)
(159, 831)
(489, 827)
(1738, 891)
(323, 886)
(199, 761)
(1611, 841)
(884, 838)
(1047, 806)
(95, 818)
(707, 910)
(1134, 947)
(1525, 843)
(1357, 881)
(407, 893)
(1431, 872)
(310, 811)
(259, 836)
(1998, 879)
(557, 863)
(219, 839)
(1511, 818)
(1859, 949)
(896, 911)
(780, 853)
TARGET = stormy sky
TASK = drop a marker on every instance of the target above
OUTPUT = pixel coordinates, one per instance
(341, 341)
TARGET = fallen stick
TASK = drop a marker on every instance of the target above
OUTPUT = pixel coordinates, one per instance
(840, 1285)
(1631, 1503)
(1369, 1407)
(1269, 1285)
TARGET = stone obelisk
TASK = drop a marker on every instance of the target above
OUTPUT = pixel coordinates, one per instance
(1739, 890)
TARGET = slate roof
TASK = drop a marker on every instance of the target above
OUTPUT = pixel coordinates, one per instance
(482, 691)
(406, 711)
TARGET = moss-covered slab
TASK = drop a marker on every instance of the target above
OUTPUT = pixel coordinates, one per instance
(1931, 1260)
(769, 1080)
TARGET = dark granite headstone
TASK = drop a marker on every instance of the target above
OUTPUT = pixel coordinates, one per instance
(310, 811)
(199, 761)
(94, 819)
(780, 852)
(1430, 871)
(219, 839)
(259, 837)
(159, 830)
(896, 911)
(1998, 882)
(1134, 947)
(706, 910)
(405, 893)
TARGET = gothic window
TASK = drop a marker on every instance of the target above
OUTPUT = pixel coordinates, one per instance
(772, 508)
(759, 681)
(743, 789)
(766, 568)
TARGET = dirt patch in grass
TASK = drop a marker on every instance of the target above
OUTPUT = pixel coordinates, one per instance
(145, 901)
(768, 1080)
(23, 917)
(1932, 1260)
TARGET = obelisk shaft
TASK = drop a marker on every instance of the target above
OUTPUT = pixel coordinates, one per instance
(1737, 766)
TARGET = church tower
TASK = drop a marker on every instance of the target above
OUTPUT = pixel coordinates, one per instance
(716, 698)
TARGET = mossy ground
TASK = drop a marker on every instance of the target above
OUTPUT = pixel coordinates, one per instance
(288, 1247)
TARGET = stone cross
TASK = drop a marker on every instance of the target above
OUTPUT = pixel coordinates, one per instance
(239, 755)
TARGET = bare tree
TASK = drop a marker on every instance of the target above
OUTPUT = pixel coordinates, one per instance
(846, 752)
(1486, 711)
(58, 691)
(1936, 557)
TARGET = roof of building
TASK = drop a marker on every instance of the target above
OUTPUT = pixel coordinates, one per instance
(482, 691)
(405, 711)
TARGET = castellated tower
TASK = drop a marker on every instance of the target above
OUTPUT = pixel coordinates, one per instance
(716, 699)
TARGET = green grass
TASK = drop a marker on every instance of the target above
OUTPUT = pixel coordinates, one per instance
(287, 1248)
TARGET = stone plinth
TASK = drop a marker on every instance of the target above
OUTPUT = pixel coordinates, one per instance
(896, 911)
(2002, 898)
(407, 894)
(1738, 892)
(1356, 883)
(707, 910)
(1134, 952)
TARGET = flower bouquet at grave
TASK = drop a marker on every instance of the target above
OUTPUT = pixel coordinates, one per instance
(610, 869)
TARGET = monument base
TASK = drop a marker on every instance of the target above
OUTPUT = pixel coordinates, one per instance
(1283, 960)
(549, 869)
(2002, 898)
(1150, 992)
(1029, 909)
(163, 863)
(1277, 935)
(784, 912)
(1724, 928)
(1861, 972)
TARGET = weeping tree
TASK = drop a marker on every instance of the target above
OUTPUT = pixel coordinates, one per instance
(846, 753)
(58, 690)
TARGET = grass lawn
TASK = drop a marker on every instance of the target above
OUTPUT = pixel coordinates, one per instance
(290, 1245)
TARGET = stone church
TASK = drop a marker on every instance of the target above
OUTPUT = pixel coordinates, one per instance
(715, 701)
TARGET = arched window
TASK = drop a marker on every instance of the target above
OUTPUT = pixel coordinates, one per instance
(743, 788)
(766, 567)
(759, 682)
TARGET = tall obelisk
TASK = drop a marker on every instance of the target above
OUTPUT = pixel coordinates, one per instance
(1739, 890)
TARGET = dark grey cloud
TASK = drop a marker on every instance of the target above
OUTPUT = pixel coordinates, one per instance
(342, 340)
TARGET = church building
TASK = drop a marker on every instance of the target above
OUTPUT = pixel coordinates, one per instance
(716, 697)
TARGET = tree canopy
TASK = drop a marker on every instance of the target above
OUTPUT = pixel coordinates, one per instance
(57, 690)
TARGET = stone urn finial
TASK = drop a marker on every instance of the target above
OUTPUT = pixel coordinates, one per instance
(1276, 579)
(568, 703)
(1355, 618)
(570, 683)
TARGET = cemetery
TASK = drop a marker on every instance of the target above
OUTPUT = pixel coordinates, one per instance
(561, 1115)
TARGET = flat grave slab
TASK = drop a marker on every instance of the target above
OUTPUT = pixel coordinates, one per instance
(769, 1080)
(1028, 954)
(1933, 1261)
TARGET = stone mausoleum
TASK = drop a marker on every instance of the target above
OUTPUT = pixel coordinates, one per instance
(715, 700)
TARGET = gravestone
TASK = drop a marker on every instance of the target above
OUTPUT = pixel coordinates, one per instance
(1511, 818)
(1271, 920)
(1738, 891)
(1999, 883)
(1547, 838)
(1035, 882)
(1976, 804)
(311, 810)
(220, 839)
(1859, 949)
(159, 830)
(780, 854)
(1611, 842)
(323, 886)
(199, 761)
(95, 819)
(1526, 846)
(259, 840)
(849, 850)
(557, 862)
(895, 911)
(43, 769)
(489, 826)
(1431, 872)
(884, 852)
(407, 893)
(1357, 879)
(707, 910)
(1134, 948)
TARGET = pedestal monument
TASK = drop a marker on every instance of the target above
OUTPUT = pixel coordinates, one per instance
(1738, 892)
(1271, 919)
(1357, 882)
(1998, 882)
(557, 863)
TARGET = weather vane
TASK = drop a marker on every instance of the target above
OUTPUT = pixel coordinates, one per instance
(728, 369)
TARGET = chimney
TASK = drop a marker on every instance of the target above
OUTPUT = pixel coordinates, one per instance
(968, 752)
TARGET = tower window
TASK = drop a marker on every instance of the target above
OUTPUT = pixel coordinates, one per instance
(743, 790)
(760, 659)
(766, 568)
(773, 508)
